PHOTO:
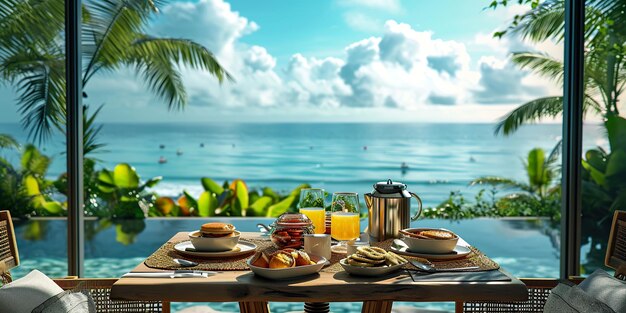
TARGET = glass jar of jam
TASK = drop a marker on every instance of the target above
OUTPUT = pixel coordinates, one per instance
(288, 230)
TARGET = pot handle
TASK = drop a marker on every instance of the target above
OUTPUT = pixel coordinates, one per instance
(419, 208)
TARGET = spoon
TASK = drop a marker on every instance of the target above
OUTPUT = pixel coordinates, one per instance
(185, 263)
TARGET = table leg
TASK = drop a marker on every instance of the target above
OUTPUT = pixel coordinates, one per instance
(377, 307)
(254, 307)
(316, 307)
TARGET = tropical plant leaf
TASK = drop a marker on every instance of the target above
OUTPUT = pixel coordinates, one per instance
(106, 183)
(211, 185)
(207, 203)
(260, 206)
(241, 197)
(616, 169)
(33, 162)
(7, 141)
(616, 130)
(538, 175)
(191, 202)
(158, 60)
(544, 22)
(91, 131)
(500, 182)
(280, 207)
(39, 80)
(540, 63)
(165, 205)
(597, 159)
(153, 181)
(530, 112)
(53, 207)
(125, 176)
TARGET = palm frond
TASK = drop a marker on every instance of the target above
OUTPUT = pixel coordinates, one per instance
(112, 28)
(540, 63)
(613, 10)
(499, 182)
(30, 24)
(91, 131)
(159, 59)
(544, 22)
(40, 84)
(183, 52)
(7, 141)
(530, 112)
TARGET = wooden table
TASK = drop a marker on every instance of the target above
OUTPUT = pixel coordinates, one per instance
(253, 293)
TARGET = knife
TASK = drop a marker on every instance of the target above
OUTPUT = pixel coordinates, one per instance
(170, 274)
(431, 269)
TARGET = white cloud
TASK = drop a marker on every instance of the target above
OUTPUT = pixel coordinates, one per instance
(402, 70)
(209, 22)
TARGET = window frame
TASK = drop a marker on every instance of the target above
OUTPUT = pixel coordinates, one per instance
(572, 137)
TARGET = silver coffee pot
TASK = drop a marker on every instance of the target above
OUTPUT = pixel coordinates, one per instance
(389, 209)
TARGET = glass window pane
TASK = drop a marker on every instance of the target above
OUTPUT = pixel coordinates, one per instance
(32, 144)
(603, 174)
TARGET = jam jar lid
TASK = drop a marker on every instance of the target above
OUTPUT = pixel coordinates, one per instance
(293, 220)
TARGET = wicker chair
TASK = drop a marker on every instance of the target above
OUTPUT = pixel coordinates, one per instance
(539, 289)
(99, 288)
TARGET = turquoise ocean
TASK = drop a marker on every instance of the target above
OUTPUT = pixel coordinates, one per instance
(333, 156)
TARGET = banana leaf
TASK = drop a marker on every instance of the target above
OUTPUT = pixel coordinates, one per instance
(211, 185)
(260, 206)
(280, 207)
(125, 176)
(207, 203)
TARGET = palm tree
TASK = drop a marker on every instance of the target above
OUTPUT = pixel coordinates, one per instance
(605, 39)
(32, 54)
(538, 192)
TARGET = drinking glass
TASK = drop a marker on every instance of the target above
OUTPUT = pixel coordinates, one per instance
(344, 220)
(312, 205)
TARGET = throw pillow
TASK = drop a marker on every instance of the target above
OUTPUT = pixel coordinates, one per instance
(70, 301)
(26, 293)
(606, 288)
(569, 298)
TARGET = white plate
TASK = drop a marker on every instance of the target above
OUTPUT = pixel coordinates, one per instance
(293, 272)
(369, 271)
(242, 248)
(459, 251)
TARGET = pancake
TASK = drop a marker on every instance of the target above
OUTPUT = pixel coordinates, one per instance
(216, 229)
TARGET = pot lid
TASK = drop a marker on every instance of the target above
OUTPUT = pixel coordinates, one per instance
(389, 187)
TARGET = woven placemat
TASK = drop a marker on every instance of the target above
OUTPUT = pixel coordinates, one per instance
(163, 259)
(475, 258)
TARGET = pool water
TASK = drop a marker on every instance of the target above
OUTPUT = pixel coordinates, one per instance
(523, 247)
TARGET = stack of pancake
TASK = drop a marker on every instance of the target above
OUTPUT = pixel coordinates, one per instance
(217, 230)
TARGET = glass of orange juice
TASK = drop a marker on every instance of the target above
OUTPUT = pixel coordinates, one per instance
(312, 205)
(345, 219)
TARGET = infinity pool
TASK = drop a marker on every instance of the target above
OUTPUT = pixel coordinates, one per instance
(524, 247)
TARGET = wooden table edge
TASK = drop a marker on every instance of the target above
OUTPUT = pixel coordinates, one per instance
(515, 290)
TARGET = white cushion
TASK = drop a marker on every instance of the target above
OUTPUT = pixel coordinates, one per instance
(27, 293)
(606, 288)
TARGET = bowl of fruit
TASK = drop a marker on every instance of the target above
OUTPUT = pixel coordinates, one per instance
(285, 264)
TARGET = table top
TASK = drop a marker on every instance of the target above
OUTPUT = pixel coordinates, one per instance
(240, 286)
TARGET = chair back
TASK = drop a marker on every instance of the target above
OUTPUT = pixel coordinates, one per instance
(9, 257)
(616, 250)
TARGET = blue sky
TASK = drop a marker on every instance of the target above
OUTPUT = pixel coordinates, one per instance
(333, 60)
